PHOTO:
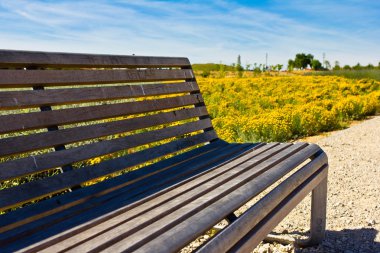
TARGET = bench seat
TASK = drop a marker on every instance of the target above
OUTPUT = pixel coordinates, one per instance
(165, 201)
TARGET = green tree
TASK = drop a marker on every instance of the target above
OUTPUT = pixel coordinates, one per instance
(302, 60)
(278, 67)
(370, 66)
(347, 67)
(290, 65)
(357, 67)
(316, 65)
(336, 67)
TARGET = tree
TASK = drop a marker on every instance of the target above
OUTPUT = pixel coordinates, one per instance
(357, 67)
(347, 67)
(370, 66)
(278, 67)
(302, 60)
(290, 65)
(316, 65)
(336, 67)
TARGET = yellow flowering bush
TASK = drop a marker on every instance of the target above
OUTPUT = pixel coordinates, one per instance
(279, 108)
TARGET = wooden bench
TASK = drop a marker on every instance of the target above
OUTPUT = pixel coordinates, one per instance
(118, 153)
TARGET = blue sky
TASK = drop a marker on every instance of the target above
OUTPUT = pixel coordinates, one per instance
(205, 31)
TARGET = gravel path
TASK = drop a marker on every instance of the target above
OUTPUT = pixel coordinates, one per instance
(353, 211)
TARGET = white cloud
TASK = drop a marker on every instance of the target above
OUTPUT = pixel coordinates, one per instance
(213, 32)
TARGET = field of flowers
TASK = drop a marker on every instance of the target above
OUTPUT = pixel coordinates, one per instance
(286, 107)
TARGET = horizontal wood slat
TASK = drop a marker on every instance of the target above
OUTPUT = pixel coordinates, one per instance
(242, 226)
(16, 145)
(190, 189)
(47, 186)
(34, 120)
(15, 58)
(39, 163)
(208, 215)
(30, 78)
(34, 98)
(122, 184)
(151, 224)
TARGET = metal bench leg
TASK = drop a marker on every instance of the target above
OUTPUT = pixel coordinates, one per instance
(318, 215)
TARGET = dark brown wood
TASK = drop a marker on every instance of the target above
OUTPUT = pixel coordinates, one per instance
(107, 105)
(209, 215)
(151, 229)
(30, 165)
(34, 120)
(207, 154)
(38, 189)
(230, 236)
(26, 143)
(15, 58)
(30, 78)
(207, 160)
(164, 202)
(36, 98)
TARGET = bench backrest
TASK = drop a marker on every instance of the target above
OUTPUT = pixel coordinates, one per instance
(68, 120)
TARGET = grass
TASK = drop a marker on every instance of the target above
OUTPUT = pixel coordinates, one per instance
(352, 74)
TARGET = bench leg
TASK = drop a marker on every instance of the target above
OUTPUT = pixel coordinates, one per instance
(318, 215)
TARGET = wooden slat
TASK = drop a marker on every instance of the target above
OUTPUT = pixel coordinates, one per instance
(29, 121)
(163, 169)
(26, 143)
(253, 238)
(229, 236)
(30, 78)
(36, 98)
(13, 58)
(139, 231)
(190, 221)
(33, 164)
(99, 206)
(127, 213)
(36, 189)
(129, 192)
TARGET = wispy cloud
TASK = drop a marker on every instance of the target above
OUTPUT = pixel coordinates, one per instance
(213, 31)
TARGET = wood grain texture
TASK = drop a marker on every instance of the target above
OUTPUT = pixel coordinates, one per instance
(34, 120)
(36, 98)
(152, 182)
(211, 214)
(150, 228)
(16, 145)
(30, 165)
(230, 236)
(30, 78)
(152, 176)
(15, 58)
(163, 202)
(159, 207)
